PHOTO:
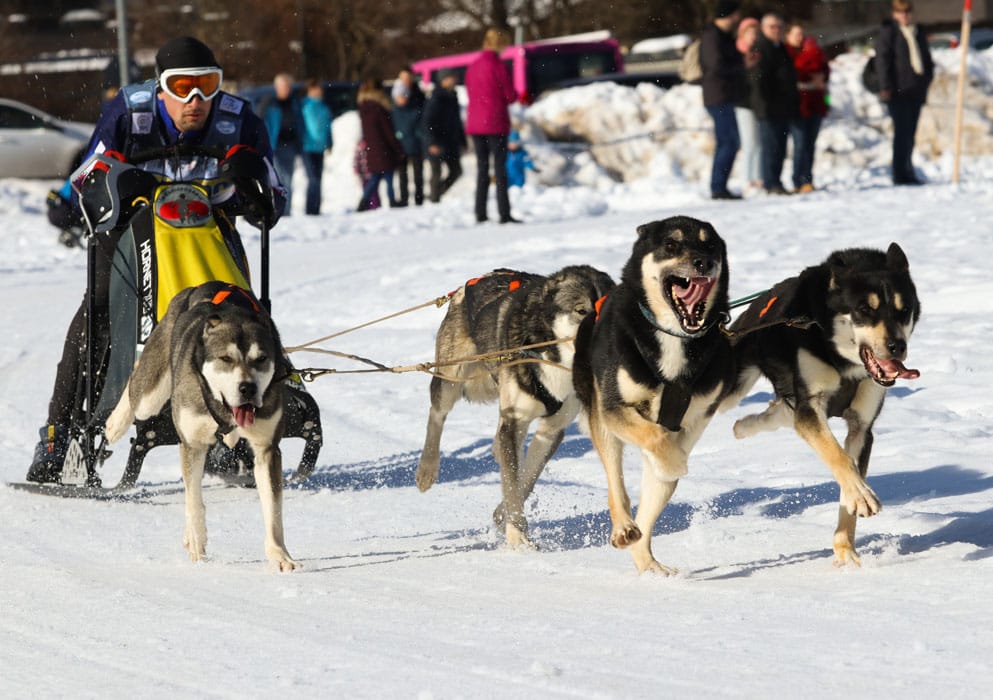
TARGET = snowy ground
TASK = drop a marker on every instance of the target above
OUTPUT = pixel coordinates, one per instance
(406, 594)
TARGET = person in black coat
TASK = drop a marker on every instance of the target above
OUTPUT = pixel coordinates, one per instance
(408, 111)
(775, 99)
(905, 70)
(723, 85)
(445, 135)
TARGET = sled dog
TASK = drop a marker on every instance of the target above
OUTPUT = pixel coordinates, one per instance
(651, 368)
(217, 357)
(850, 320)
(503, 310)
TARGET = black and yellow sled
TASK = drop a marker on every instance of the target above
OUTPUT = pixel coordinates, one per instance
(162, 235)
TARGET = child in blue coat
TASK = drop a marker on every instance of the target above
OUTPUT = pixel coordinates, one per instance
(518, 160)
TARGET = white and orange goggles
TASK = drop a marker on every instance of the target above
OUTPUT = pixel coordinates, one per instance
(184, 83)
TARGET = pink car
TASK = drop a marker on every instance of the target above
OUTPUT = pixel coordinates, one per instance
(537, 65)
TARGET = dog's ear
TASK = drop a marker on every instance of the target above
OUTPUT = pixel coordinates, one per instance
(210, 323)
(896, 260)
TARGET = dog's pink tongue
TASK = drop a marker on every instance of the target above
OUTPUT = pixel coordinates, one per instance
(696, 290)
(244, 415)
(895, 367)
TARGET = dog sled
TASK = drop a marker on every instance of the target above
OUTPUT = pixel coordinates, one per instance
(165, 237)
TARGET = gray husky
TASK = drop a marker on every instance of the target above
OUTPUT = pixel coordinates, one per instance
(215, 356)
(502, 310)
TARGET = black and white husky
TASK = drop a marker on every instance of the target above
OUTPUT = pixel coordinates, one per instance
(651, 368)
(503, 310)
(215, 356)
(849, 321)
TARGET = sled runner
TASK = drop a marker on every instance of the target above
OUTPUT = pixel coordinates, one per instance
(161, 235)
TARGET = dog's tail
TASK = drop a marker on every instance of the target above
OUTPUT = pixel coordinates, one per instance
(121, 418)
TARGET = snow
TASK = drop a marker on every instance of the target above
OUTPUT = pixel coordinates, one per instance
(405, 594)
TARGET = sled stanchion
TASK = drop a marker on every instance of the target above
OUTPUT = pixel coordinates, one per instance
(264, 279)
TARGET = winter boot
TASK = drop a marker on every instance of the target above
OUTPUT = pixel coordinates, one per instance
(49, 454)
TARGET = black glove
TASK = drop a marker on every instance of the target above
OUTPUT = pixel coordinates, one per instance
(249, 173)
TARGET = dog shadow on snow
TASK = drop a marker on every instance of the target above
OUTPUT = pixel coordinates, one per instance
(592, 529)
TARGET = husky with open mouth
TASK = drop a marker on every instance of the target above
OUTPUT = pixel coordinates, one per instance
(831, 341)
(652, 366)
(217, 358)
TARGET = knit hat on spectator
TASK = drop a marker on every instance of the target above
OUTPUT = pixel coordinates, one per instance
(726, 8)
(184, 52)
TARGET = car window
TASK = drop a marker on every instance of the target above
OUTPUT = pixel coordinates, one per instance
(12, 118)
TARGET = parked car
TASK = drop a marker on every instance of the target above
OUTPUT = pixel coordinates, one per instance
(339, 95)
(36, 144)
(661, 54)
(980, 39)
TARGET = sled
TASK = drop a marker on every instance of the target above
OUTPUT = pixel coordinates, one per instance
(167, 238)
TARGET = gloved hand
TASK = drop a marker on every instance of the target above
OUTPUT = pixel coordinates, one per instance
(249, 173)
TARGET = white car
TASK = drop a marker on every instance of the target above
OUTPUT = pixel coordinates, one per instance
(36, 144)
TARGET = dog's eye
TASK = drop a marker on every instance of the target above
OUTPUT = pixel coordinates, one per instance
(226, 359)
(261, 360)
(582, 310)
(671, 247)
(864, 309)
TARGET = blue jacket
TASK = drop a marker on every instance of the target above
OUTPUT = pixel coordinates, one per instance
(517, 162)
(316, 125)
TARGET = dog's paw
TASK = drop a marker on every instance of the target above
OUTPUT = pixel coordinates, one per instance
(195, 544)
(654, 567)
(281, 560)
(118, 422)
(517, 539)
(844, 554)
(427, 474)
(625, 534)
(861, 500)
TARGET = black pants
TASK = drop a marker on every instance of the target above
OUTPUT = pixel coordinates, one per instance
(905, 114)
(486, 146)
(452, 161)
(416, 163)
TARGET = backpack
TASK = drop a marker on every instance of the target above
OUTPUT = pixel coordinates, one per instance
(870, 78)
(689, 67)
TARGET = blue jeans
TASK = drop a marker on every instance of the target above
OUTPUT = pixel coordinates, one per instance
(727, 144)
(313, 164)
(905, 114)
(773, 134)
(372, 184)
(804, 131)
(283, 158)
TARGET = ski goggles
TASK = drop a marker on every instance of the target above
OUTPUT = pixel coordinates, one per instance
(184, 83)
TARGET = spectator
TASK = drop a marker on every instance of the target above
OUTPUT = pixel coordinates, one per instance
(518, 160)
(445, 134)
(382, 150)
(775, 100)
(316, 140)
(284, 122)
(408, 113)
(490, 92)
(723, 86)
(905, 69)
(360, 165)
(812, 76)
(748, 127)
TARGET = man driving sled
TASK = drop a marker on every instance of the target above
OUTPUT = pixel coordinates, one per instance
(183, 104)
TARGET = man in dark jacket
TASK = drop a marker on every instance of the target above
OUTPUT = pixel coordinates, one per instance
(445, 135)
(723, 85)
(775, 99)
(905, 70)
(408, 110)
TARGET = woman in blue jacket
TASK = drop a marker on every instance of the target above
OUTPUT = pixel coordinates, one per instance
(316, 140)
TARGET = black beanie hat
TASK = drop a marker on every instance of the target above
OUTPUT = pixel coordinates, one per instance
(726, 8)
(184, 52)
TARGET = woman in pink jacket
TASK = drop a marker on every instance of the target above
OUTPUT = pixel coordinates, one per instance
(490, 91)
